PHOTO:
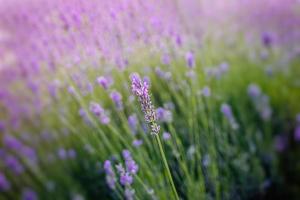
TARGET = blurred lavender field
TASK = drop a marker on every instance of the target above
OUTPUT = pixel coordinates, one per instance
(153, 99)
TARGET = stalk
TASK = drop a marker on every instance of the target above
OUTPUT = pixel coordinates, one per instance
(167, 167)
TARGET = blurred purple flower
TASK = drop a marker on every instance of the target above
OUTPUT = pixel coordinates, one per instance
(117, 99)
(110, 175)
(166, 136)
(297, 134)
(190, 59)
(4, 183)
(133, 122)
(29, 194)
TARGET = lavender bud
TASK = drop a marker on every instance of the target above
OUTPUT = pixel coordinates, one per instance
(190, 60)
(110, 175)
(29, 194)
(4, 183)
(166, 136)
(132, 122)
(117, 99)
(297, 134)
(129, 193)
(137, 143)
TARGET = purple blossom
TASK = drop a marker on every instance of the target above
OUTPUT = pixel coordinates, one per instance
(254, 91)
(206, 91)
(280, 143)
(117, 99)
(133, 122)
(30, 154)
(131, 165)
(141, 90)
(12, 143)
(110, 175)
(226, 110)
(166, 59)
(126, 179)
(164, 115)
(99, 112)
(4, 183)
(137, 143)
(129, 193)
(62, 153)
(14, 164)
(297, 134)
(29, 194)
(266, 39)
(190, 60)
(71, 153)
(166, 136)
(105, 82)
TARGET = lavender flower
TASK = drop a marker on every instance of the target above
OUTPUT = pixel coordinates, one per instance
(227, 112)
(280, 143)
(297, 134)
(141, 90)
(131, 165)
(99, 112)
(4, 183)
(206, 91)
(110, 175)
(13, 163)
(132, 122)
(117, 99)
(126, 179)
(129, 193)
(164, 115)
(29, 194)
(137, 143)
(105, 82)
(254, 91)
(166, 136)
(190, 60)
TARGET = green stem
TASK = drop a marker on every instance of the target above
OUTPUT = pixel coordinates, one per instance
(167, 167)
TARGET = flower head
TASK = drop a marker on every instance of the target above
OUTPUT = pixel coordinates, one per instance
(141, 90)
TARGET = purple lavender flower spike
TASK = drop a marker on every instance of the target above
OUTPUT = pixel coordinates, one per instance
(4, 183)
(297, 134)
(190, 60)
(226, 110)
(126, 179)
(131, 165)
(29, 194)
(137, 143)
(132, 122)
(280, 143)
(266, 39)
(164, 115)
(254, 91)
(62, 153)
(110, 175)
(129, 193)
(166, 136)
(206, 91)
(105, 82)
(117, 99)
(141, 90)
(13, 163)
